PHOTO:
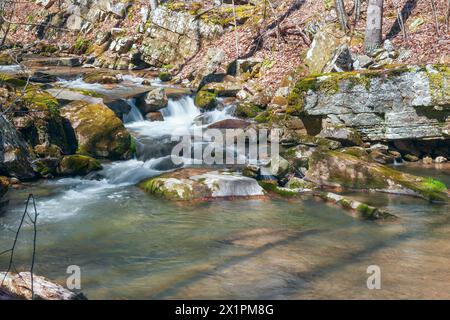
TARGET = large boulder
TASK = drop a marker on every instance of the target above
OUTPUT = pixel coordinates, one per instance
(167, 29)
(15, 158)
(201, 184)
(101, 77)
(78, 165)
(152, 101)
(99, 132)
(406, 102)
(18, 287)
(345, 170)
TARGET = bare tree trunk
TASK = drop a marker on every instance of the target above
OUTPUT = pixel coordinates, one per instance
(342, 15)
(357, 9)
(447, 16)
(374, 25)
(153, 4)
(436, 21)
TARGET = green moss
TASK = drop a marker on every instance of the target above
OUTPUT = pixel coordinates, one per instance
(82, 45)
(273, 187)
(439, 82)
(78, 165)
(365, 211)
(10, 81)
(37, 100)
(206, 100)
(247, 110)
(164, 76)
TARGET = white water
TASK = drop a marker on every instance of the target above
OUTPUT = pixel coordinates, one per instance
(10, 68)
(77, 193)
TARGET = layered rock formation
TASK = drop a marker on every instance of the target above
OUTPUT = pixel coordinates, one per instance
(409, 102)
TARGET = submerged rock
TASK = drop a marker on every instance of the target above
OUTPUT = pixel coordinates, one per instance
(18, 287)
(78, 165)
(339, 169)
(201, 184)
(99, 132)
(358, 209)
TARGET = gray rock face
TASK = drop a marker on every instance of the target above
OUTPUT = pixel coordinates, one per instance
(407, 103)
(153, 101)
(15, 159)
(173, 36)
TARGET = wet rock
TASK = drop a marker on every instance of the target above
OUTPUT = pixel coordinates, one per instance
(101, 77)
(154, 116)
(201, 184)
(277, 166)
(440, 159)
(427, 160)
(300, 184)
(410, 158)
(18, 287)
(65, 96)
(46, 167)
(53, 62)
(228, 87)
(229, 124)
(78, 165)
(47, 151)
(15, 158)
(42, 77)
(339, 169)
(298, 156)
(358, 209)
(119, 106)
(247, 110)
(152, 101)
(99, 132)
(205, 100)
(251, 171)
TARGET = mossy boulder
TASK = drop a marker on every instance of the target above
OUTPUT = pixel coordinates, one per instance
(78, 165)
(206, 100)
(101, 77)
(337, 169)
(99, 132)
(201, 184)
(247, 110)
(165, 76)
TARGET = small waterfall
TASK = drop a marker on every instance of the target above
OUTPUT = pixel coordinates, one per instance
(135, 114)
(398, 162)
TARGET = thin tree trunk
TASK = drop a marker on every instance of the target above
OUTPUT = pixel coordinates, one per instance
(374, 25)
(436, 22)
(342, 15)
(357, 10)
(235, 31)
(153, 4)
(447, 16)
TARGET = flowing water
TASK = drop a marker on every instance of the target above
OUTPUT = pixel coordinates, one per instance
(132, 245)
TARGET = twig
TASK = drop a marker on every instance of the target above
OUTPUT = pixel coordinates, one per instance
(13, 248)
(433, 6)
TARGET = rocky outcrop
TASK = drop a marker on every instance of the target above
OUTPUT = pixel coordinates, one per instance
(349, 171)
(15, 158)
(167, 29)
(18, 287)
(406, 102)
(99, 132)
(201, 184)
